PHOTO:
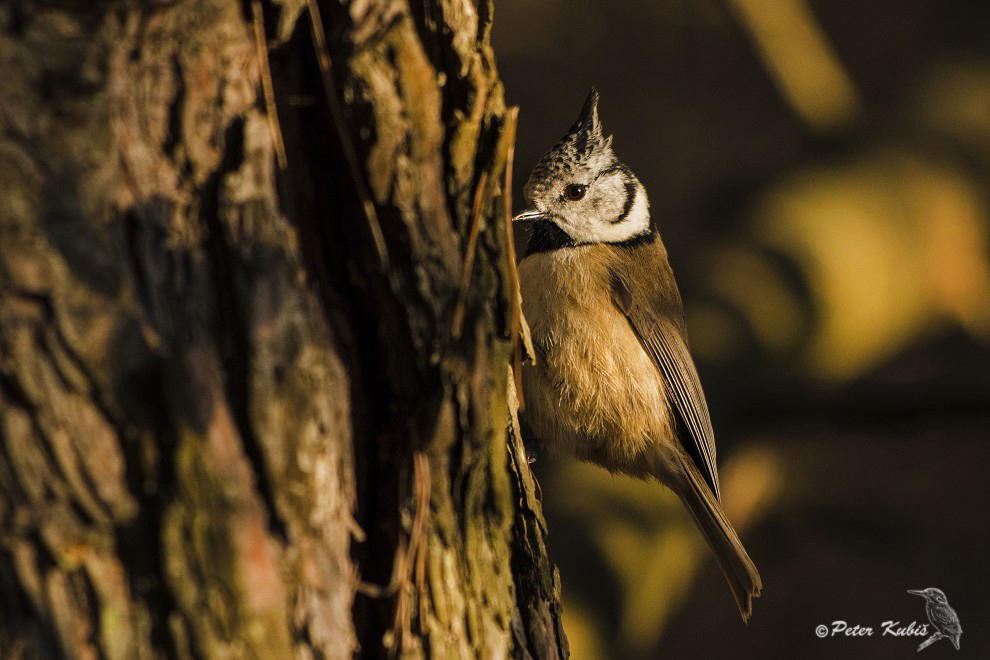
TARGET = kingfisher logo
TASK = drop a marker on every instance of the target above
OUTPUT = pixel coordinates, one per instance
(943, 618)
(943, 623)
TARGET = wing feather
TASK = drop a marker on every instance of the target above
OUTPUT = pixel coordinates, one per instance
(663, 339)
(946, 619)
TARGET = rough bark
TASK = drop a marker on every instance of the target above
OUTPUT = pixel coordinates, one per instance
(247, 408)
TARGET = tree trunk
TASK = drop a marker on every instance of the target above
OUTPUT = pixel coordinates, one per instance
(257, 316)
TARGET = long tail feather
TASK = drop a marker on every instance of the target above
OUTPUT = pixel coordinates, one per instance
(739, 570)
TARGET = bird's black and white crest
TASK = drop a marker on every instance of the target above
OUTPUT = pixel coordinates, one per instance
(580, 193)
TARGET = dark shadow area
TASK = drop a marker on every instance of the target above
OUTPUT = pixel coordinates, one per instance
(819, 173)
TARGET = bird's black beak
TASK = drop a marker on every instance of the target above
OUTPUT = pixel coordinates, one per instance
(917, 593)
(530, 215)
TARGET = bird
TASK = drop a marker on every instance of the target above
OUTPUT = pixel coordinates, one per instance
(613, 381)
(942, 617)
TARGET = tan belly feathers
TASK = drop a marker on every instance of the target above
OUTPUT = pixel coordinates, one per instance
(594, 391)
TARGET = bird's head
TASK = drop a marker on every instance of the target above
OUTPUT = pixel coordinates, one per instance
(931, 593)
(583, 190)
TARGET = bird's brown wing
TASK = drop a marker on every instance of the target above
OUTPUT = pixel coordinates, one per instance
(662, 337)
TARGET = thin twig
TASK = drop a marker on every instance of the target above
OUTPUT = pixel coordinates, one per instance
(261, 43)
(931, 640)
(413, 557)
(515, 298)
(459, 308)
(372, 590)
(400, 623)
(423, 486)
(350, 153)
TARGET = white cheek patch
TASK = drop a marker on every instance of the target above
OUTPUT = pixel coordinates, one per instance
(588, 228)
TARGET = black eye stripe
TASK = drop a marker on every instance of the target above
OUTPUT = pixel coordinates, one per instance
(627, 207)
(612, 169)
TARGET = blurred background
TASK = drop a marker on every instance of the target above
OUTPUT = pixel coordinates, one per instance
(820, 173)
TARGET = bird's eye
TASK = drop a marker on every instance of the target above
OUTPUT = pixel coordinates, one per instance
(575, 191)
